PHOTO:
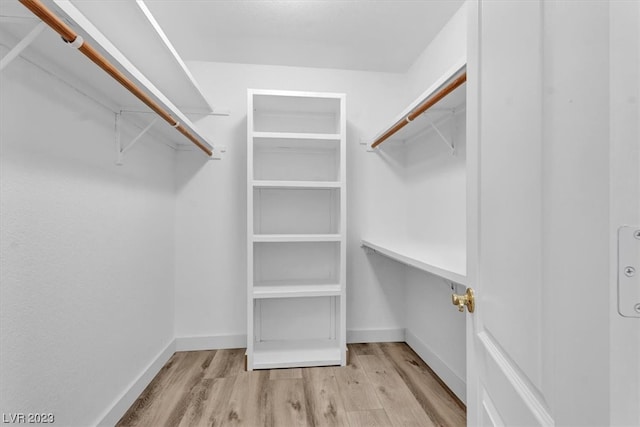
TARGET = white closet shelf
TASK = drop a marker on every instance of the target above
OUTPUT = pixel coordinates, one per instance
(403, 129)
(152, 52)
(297, 184)
(448, 263)
(296, 354)
(264, 238)
(294, 291)
(49, 52)
(296, 135)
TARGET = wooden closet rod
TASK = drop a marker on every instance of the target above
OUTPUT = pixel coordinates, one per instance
(421, 108)
(69, 36)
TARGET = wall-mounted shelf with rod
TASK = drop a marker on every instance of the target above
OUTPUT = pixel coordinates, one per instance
(443, 98)
(72, 25)
(428, 233)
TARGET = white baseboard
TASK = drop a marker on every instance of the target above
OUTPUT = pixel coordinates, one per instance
(216, 342)
(355, 336)
(211, 342)
(124, 402)
(457, 385)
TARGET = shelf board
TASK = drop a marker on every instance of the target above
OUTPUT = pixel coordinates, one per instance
(297, 184)
(440, 261)
(294, 291)
(296, 354)
(296, 135)
(152, 52)
(297, 237)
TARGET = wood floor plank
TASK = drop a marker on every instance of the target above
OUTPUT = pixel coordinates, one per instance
(397, 400)
(283, 374)
(208, 402)
(365, 349)
(355, 389)
(370, 418)
(226, 363)
(322, 398)
(287, 403)
(165, 403)
(249, 401)
(434, 397)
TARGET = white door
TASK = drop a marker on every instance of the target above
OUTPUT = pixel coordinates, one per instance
(541, 193)
(625, 210)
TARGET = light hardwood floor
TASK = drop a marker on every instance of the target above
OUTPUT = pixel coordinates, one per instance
(385, 384)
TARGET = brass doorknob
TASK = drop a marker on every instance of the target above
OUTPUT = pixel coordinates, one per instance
(466, 299)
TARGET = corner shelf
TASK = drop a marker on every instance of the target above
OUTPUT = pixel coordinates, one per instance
(450, 264)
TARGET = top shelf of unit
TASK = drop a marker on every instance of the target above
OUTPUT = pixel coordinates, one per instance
(402, 129)
(288, 114)
(444, 262)
(289, 102)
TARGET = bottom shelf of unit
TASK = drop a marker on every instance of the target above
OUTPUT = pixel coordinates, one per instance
(296, 354)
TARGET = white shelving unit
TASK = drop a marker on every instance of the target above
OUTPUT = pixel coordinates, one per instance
(296, 229)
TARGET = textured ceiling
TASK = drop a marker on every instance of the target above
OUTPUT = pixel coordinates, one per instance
(376, 35)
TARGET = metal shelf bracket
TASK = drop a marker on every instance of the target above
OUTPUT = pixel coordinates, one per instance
(122, 149)
(448, 142)
(22, 45)
(367, 142)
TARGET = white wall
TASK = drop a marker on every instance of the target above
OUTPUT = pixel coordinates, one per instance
(86, 294)
(435, 181)
(211, 255)
(446, 48)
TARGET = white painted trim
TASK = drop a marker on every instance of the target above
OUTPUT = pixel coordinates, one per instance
(439, 366)
(126, 399)
(355, 336)
(527, 391)
(211, 342)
